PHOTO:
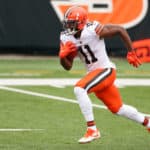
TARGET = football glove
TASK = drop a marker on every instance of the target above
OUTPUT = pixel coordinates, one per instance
(133, 59)
(66, 49)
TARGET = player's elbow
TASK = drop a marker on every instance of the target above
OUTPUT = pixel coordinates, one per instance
(122, 31)
(67, 67)
(66, 64)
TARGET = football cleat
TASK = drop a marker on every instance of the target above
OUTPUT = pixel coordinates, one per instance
(89, 136)
(146, 122)
(148, 128)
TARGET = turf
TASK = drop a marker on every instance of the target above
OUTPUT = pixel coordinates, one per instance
(62, 122)
(49, 67)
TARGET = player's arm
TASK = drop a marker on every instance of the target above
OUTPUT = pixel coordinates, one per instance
(66, 54)
(66, 63)
(113, 30)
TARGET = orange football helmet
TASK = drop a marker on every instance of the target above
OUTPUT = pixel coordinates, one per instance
(74, 19)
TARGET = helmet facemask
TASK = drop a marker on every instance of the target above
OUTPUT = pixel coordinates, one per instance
(71, 26)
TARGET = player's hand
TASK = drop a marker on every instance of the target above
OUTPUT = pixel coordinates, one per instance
(66, 49)
(133, 59)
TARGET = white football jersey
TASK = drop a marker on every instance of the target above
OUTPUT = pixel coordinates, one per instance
(91, 49)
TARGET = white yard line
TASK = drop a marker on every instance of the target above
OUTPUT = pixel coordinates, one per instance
(19, 130)
(38, 95)
(57, 82)
(50, 97)
(62, 83)
(45, 96)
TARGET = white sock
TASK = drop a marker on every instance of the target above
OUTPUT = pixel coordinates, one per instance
(92, 127)
(131, 113)
(84, 103)
(148, 125)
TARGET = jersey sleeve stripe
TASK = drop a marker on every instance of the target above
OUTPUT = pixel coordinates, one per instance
(99, 29)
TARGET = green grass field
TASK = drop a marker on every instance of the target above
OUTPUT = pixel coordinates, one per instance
(60, 124)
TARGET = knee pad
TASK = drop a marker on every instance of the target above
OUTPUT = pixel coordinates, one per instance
(114, 108)
(78, 90)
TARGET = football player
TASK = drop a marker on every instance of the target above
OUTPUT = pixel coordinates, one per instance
(86, 39)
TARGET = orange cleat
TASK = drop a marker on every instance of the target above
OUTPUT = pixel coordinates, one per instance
(146, 122)
(90, 136)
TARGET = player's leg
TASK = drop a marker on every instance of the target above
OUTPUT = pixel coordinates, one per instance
(112, 99)
(85, 106)
(89, 83)
(87, 111)
(110, 96)
(133, 114)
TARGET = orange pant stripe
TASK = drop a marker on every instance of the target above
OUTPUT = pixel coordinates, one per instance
(97, 79)
(101, 82)
(94, 79)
